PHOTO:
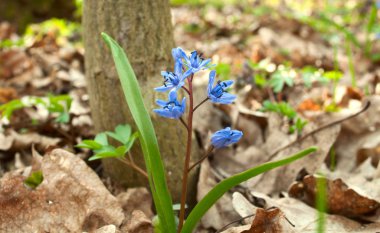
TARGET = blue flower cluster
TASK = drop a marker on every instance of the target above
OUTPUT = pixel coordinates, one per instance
(184, 67)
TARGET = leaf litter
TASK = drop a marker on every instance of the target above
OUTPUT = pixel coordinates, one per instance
(280, 201)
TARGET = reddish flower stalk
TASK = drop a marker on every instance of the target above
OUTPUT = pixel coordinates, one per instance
(188, 154)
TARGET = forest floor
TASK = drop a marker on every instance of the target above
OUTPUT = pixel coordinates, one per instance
(297, 87)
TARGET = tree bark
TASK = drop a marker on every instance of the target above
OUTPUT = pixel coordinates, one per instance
(143, 28)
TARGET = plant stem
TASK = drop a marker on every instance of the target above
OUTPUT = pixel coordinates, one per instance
(207, 154)
(203, 101)
(184, 123)
(134, 166)
(187, 91)
(187, 158)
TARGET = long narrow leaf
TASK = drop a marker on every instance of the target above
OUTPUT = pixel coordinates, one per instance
(221, 188)
(149, 144)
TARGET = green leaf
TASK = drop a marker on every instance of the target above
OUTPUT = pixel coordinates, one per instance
(64, 117)
(131, 140)
(121, 134)
(149, 144)
(101, 138)
(222, 187)
(34, 180)
(90, 144)
(277, 83)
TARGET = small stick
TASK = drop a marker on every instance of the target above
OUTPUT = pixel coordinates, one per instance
(207, 154)
(203, 101)
(183, 123)
(238, 220)
(134, 166)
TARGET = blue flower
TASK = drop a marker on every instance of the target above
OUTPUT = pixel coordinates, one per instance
(172, 108)
(218, 94)
(176, 79)
(225, 137)
(195, 62)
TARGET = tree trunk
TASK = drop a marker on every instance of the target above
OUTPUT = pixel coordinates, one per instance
(143, 28)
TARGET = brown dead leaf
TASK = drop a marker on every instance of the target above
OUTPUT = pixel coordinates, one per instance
(267, 221)
(303, 217)
(222, 211)
(107, 229)
(341, 200)
(138, 223)
(279, 179)
(16, 141)
(70, 199)
(7, 94)
(136, 199)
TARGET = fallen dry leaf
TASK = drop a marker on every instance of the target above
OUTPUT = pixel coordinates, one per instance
(136, 199)
(341, 199)
(268, 221)
(220, 213)
(279, 179)
(70, 199)
(15, 141)
(138, 223)
(303, 217)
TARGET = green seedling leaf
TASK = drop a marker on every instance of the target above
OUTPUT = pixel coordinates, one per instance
(131, 140)
(121, 134)
(64, 117)
(149, 144)
(90, 144)
(298, 126)
(282, 108)
(101, 138)
(34, 180)
(222, 187)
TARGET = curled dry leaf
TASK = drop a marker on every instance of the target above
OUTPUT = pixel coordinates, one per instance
(303, 217)
(269, 221)
(341, 200)
(70, 199)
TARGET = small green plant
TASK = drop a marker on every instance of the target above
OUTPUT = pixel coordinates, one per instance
(58, 106)
(284, 75)
(298, 126)
(102, 149)
(185, 68)
(284, 109)
(267, 74)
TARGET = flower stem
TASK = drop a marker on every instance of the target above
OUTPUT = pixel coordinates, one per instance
(207, 154)
(184, 123)
(134, 166)
(187, 158)
(203, 101)
(187, 91)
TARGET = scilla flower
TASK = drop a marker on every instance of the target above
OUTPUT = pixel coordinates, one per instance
(195, 62)
(218, 94)
(173, 80)
(172, 108)
(225, 137)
